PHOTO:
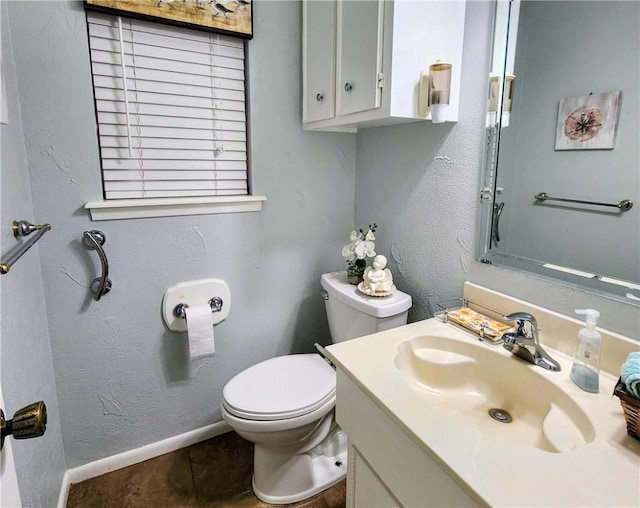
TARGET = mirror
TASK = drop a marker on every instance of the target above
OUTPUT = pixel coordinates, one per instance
(561, 183)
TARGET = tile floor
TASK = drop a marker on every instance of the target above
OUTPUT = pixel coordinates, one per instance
(214, 473)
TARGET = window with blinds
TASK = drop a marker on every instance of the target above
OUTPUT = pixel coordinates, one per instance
(170, 105)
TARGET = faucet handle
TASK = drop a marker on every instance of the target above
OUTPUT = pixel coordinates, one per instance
(521, 316)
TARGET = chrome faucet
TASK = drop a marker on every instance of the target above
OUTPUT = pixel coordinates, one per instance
(524, 341)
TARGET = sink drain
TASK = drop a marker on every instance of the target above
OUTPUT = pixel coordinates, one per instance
(500, 415)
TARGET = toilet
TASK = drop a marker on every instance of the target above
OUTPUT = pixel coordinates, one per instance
(285, 405)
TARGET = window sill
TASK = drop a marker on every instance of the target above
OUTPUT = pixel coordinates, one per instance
(169, 207)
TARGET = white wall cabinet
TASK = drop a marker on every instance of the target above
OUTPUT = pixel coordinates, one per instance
(319, 42)
(362, 59)
(386, 467)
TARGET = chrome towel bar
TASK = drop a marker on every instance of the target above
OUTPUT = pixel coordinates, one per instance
(23, 228)
(623, 206)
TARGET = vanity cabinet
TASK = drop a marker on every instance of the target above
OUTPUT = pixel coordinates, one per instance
(362, 60)
(386, 467)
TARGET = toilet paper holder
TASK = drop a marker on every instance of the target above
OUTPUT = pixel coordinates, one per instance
(215, 303)
(179, 297)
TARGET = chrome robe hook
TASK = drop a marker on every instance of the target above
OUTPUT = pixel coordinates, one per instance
(99, 286)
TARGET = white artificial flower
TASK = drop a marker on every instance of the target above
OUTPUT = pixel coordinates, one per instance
(360, 247)
(348, 252)
(356, 248)
(365, 249)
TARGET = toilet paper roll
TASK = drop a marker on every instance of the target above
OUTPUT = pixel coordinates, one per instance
(200, 331)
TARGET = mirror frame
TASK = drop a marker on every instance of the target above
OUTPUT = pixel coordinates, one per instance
(505, 30)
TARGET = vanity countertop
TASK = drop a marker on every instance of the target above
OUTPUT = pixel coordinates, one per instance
(493, 471)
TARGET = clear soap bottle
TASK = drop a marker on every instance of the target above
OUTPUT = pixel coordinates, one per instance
(585, 371)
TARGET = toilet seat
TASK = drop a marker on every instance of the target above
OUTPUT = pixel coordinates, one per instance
(281, 388)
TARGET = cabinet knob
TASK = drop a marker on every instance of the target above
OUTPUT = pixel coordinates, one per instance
(319, 97)
(28, 422)
(348, 87)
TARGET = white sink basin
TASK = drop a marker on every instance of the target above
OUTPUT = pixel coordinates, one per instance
(469, 380)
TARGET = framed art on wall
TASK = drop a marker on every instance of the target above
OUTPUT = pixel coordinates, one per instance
(231, 17)
(588, 122)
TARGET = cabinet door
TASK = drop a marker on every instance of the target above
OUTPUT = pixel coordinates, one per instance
(319, 53)
(365, 487)
(360, 24)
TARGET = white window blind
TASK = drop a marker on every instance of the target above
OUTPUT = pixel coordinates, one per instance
(182, 129)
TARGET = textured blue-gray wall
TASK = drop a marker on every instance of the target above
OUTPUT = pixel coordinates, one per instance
(25, 360)
(123, 380)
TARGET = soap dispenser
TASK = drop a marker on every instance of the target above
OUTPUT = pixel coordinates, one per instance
(585, 371)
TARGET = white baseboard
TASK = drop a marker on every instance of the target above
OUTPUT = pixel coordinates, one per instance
(131, 457)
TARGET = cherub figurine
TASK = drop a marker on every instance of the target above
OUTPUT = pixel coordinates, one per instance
(378, 278)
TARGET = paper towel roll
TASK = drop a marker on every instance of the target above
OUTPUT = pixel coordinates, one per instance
(200, 331)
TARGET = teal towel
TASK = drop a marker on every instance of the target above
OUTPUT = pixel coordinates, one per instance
(631, 366)
(630, 374)
(632, 384)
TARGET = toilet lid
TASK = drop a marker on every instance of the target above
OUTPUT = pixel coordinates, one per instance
(280, 388)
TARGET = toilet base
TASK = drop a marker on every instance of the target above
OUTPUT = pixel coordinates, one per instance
(283, 478)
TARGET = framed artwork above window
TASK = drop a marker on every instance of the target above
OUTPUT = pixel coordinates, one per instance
(231, 17)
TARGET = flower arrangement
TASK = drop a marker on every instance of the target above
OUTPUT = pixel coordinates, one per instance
(361, 246)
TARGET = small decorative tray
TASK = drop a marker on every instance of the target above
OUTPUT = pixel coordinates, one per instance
(631, 407)
(478, 323)
(368, 292)
(485, 327)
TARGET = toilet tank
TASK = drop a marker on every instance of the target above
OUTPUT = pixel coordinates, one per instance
(352, 314)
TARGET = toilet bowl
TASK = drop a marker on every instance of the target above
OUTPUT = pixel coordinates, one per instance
(285, 405)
